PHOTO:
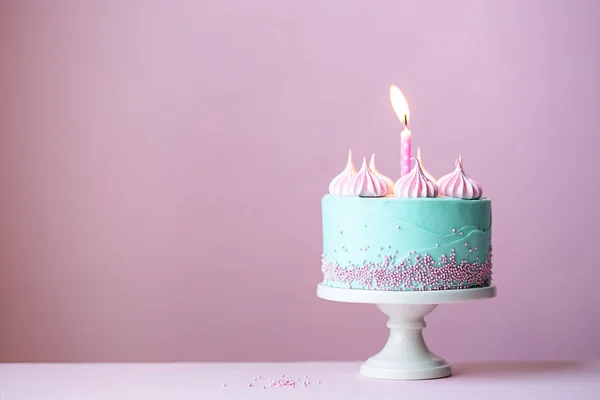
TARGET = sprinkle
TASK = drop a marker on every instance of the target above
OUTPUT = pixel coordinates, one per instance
(254, 379)
(224, 385)
(264, 387)
(259, 377)
(454, 230)
(305, 376)
(414, 273)
(319, 381)
(341, 232)
(437, 245)
(466, 244)
(249, 385)
(397, 226)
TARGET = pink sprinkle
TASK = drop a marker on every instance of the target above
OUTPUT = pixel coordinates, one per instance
(254, 379)
(224, 385)
(319, 381)
(249, 385)
(305, 376)
(264, 387)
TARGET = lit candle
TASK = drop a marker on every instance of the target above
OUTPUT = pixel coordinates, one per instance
(401, 109)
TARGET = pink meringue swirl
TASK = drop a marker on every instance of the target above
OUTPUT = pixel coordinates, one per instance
(458, 184)
(415, 184)
(366, 184)
(427, 174)
(389, 182)
(339, 184)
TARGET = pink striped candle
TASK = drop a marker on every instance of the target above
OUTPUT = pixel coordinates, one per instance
(400, 107)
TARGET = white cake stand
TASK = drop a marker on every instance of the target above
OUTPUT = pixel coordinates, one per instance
(405, 355)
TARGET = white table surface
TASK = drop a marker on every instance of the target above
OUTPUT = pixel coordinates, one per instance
(339, 380)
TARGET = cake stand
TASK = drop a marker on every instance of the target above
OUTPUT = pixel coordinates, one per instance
(405, 355)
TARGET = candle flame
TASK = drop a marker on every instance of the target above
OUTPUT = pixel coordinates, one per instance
(399, 105)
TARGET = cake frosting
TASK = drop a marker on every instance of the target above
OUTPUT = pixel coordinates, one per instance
(406, 244)
(458, 184)
(387, 180)
(415, 184)
(339, 184)
(366, 183)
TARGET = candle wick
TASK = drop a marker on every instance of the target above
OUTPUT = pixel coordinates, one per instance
(405, 121)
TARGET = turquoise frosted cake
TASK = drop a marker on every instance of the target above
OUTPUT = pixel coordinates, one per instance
(411, 235)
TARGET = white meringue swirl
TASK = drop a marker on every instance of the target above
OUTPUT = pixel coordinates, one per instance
(427, 174)
(366, 184)
(339, 184)
(389, 182)
(458, 184)
(415, 184)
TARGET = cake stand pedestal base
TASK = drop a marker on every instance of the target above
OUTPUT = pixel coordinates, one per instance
(405, 356)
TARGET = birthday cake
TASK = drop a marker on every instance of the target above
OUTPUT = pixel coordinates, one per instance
(415, 234)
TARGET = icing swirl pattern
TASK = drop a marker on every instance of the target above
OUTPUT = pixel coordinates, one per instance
(415, 184)
(366, 184)
(339, 184)
(389, 182)
(458, 184)
(427, 174)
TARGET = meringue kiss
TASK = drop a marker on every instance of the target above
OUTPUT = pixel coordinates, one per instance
(366, 184)
(458, 184)
(338, 185)
(427, 174)
(389, 182)
(415, 184)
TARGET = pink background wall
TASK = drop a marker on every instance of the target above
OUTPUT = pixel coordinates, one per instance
(162, 165)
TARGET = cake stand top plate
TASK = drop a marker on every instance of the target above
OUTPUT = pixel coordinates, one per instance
(396, 297)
